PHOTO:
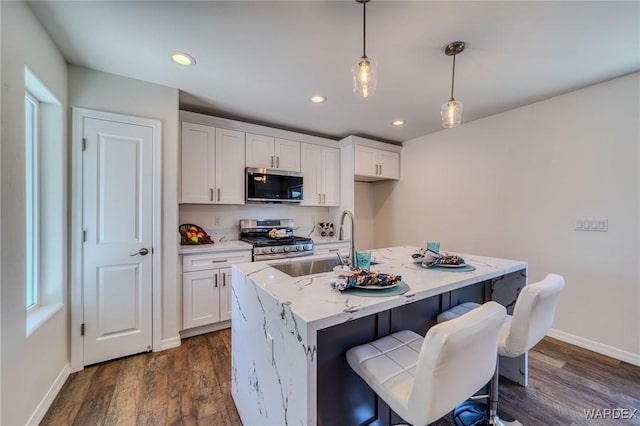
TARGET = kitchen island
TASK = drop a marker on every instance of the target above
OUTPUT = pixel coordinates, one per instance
(289, 334)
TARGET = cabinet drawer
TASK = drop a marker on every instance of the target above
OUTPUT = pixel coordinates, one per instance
(201, 262)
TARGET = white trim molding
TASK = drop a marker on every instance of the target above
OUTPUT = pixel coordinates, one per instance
(170, 343)
(600, 348)
(48, 398)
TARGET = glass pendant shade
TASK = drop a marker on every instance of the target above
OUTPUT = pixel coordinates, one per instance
(365, 76)
(451, 113)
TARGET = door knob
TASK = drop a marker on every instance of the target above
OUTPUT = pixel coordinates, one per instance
(142, 252)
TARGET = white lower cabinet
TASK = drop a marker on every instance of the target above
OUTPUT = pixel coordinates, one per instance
(206, 287)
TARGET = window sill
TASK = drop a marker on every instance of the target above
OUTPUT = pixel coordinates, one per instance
(38, 316)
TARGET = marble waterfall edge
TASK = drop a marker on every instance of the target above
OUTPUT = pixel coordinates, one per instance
(270, 359)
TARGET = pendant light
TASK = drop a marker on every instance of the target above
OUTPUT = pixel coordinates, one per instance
(451, 112)
(365, 69)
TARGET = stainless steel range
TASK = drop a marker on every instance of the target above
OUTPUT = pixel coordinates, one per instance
(274, 239)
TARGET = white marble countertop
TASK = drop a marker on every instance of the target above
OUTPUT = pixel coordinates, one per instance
(313, 301)
(217, 247)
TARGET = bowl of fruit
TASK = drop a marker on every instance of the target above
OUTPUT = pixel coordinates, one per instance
(193, 234)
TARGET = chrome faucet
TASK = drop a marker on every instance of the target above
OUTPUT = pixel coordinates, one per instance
(352, 250)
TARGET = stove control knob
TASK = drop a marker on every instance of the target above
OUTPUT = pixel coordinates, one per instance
(297, 248)
(308, 247)
(276, 249)
(287, 248)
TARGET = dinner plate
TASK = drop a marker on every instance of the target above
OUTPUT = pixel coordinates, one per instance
(440, 265)
(376, 287)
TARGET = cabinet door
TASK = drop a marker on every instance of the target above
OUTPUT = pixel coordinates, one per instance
(229, 172)
(225, 294)
(260, 151)
(310, 165)
(197, 159)
(287, 155)
(365, 161)
(330, 176)
(389, 164)
(200, 298)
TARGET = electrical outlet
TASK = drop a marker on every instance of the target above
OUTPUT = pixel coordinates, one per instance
(216, 220)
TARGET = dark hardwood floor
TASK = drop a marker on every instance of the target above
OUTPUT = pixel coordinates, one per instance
(191, 385)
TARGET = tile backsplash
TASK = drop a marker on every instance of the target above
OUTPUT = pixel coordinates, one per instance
(222, 221)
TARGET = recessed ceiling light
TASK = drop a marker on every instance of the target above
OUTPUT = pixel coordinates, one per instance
(399, 122)
(182, 58)
(318, 99)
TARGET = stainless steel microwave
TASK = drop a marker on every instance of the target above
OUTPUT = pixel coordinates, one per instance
(273, 186)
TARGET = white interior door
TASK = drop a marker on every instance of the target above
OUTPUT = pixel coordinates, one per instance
(117, 175)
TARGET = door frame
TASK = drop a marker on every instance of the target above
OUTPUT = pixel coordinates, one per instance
(76, 226)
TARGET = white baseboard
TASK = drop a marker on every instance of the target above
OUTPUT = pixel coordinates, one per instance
(48, 398)
(600, 348)
(170, 343)
(190, 332)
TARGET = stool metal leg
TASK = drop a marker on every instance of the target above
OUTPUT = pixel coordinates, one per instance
(494, 418)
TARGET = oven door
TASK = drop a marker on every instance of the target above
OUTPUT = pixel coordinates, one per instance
(273, 186)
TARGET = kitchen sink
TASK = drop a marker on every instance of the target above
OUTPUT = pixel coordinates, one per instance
(308, 267)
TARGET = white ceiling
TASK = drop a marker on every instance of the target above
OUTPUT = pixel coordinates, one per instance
(261, 61)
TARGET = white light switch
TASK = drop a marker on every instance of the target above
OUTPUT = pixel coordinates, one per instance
(598, 225)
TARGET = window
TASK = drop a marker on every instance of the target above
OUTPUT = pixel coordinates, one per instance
(45, 169)
(31, 112)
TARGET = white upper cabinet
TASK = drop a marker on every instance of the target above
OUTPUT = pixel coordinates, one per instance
(320, 167)
(287, 154)
(229, 167)
(272, 153)
(389, 164)
(376, 164)
(211, 165)
(260, 151)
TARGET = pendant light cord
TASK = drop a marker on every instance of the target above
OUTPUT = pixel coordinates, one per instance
(364, 29)
(453, 75)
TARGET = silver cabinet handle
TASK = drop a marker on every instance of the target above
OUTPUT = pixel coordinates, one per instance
(319, 198)
(142, 252)
(380, 169)
(333, 250)
(278, 162)
(224, 279)
(324, 198)
(272, 161)
(219, 261)
(211, 194)
(216, 280)
(218, 193)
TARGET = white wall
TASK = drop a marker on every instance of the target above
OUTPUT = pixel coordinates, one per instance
(108, 92)
(512, 185)
(26, 375)
(364, 214)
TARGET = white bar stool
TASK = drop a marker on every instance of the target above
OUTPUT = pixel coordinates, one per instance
(422, 379)
(532, 318)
